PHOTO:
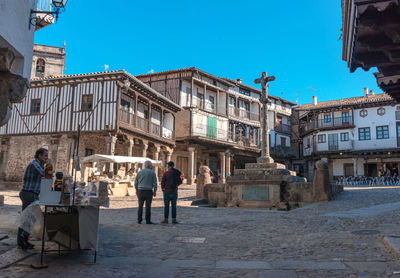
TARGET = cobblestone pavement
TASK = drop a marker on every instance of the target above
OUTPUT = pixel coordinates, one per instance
(224, 242)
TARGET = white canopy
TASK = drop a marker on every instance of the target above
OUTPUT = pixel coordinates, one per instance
(117, 159)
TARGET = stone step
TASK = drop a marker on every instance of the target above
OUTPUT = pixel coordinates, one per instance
(265, 166)
(267, 172)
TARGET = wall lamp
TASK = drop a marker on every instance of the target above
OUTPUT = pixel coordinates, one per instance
(58, 7)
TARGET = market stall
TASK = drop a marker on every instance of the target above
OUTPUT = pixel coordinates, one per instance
(119, 185)
(69, 218)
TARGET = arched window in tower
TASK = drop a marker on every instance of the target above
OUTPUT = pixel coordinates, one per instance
(40, 67)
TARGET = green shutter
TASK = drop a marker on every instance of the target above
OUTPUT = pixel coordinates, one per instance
(212, 127)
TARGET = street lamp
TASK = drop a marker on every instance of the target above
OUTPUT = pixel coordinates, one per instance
(58, 7)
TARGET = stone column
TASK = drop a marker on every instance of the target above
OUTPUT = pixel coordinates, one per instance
(130, 147)
(228, 163)
(191, 170)
(156, 157)
(223, 173)
(355, 167)
(144, 152)
(111, 141)
(168, 156)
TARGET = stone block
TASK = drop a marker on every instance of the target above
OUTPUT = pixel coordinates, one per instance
(264, 166)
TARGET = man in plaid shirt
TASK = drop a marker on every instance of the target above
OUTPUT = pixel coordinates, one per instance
(31, 190)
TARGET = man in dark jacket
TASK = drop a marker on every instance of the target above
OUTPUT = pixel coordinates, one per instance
(169, 185)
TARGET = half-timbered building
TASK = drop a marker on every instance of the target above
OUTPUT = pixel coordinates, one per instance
(117, 114)
(219, 125)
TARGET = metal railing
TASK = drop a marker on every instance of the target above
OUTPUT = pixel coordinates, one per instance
(283, 128)
(44, 5)
(326, 123)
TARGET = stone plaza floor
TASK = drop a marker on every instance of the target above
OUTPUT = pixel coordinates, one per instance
(342, 238)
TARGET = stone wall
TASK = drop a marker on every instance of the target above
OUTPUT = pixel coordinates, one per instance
(20, 152)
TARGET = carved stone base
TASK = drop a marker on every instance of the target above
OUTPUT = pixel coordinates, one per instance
(265, 159)
(6, 59)
(13, 87)
(5, 111)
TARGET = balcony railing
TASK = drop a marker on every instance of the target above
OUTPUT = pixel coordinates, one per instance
(246, 140)
(322, 123)
(283, 151)
(155, 129)
(127, 117)
(242, 113)
(283, 128)
(44, 5)
(143, 124)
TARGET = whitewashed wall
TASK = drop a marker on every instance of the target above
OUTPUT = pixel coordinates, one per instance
(68, 101)
(17, 34)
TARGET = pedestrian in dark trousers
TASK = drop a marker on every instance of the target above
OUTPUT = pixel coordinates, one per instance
(169, 184)
(31, 190)
(146, 188)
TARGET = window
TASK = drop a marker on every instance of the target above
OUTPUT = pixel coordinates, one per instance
(35, 106)
(244, 92)
(88, 152)
(363, 113)
(40, 67)
(232, 101)
(345, 117)
(125, 105)
(212, 100)
(344, 136)
(87, 102)
(327, 118)
(382, 132)
(308, 143)
(364, 133)
(200, 98)
(397, 115)
(381, 111)
(283, 141)
(322, 138)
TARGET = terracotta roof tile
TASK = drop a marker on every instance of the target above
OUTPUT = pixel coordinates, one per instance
(346, 102)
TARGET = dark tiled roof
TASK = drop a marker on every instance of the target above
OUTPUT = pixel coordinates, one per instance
(113, 72)
(346, 102)
(194, 69)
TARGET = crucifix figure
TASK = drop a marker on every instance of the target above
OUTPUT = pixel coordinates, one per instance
(263, 80)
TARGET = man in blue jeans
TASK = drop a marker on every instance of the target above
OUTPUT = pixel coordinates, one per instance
(169, 185)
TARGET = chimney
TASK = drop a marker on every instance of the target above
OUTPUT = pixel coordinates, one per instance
(365, 91)
(239, 80)
(371, 92)
(314, 100)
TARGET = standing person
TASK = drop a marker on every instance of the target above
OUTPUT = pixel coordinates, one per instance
(146, 188)
(169, 184)
(31, 190)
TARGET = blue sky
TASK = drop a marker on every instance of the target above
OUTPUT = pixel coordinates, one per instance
(297, 41)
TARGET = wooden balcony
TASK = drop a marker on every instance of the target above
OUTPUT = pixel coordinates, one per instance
(333, 123)
(242, 113)
(283, 128)
(143, 124)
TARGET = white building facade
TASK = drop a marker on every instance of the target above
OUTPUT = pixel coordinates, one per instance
(357, 136)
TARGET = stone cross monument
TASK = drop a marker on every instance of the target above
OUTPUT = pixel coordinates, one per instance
(263, 80)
